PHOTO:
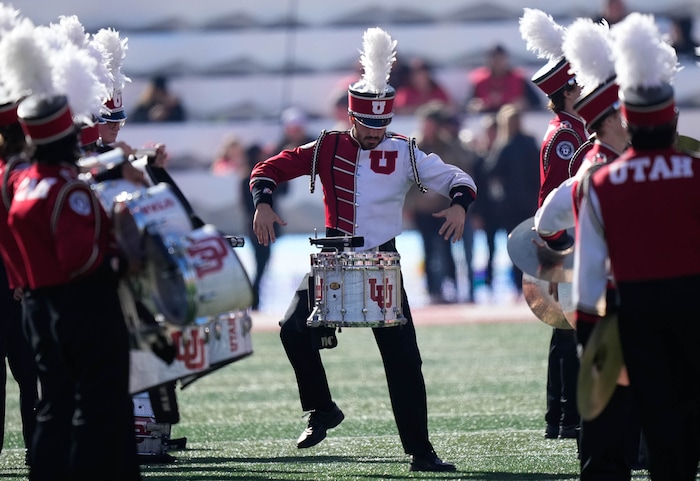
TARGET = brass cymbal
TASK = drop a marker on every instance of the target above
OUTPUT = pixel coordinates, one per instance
(601, 364)
(542, 303)
(529, 253)
(688, 145)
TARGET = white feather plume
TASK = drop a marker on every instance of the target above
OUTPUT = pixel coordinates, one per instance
(116, 48)
(377, 57)
(74, 32)
(74, 76)
(24, 62)
(587, 47)
(642, 58)
(73, 68)
(543, 35)
(9, 17)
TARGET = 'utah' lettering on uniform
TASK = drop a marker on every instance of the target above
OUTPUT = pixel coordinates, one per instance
(644, 169)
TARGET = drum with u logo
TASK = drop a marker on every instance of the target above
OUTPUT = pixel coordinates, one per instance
(193, 275)
(356, 289)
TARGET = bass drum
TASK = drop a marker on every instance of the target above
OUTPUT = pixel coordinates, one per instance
(192, 276)
(156, 208)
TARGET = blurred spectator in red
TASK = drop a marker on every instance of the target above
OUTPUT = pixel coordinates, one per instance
(498, 83)
(420, 88)
(232, 157)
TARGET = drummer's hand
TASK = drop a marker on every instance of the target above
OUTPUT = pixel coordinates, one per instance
(128, 150)
(453, 227)
(161, 156)
(18, 294)
(133, 175)
(548, 258)
(554, 290)
(264, 221)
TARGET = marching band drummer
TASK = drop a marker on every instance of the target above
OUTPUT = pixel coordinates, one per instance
(366, 173)
(565, 134)
(657, 276)
(72, 309)
(609, 444)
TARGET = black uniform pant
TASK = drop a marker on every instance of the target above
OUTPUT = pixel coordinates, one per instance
(562, 377)
(85, 424)
(15, 348)
(660, 336)
(609, 446)
(402, 364)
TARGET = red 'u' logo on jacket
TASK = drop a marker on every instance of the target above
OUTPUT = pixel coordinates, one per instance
(383, 162)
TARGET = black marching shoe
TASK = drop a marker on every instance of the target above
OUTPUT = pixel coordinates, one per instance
(319, 423)
(551, 431)
(430, 462)
(569, 431)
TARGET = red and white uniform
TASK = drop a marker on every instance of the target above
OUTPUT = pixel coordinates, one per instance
(61, 229)
(558, 211)
(364, 190)
(10, 171)
(638, 239)
(564, 135)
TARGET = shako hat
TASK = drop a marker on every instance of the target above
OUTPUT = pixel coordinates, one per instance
(587, 45)
(645, 66)
(116, 48)
(371, 99)
(544, 37)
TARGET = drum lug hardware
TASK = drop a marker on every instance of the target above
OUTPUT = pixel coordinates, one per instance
(206, 335)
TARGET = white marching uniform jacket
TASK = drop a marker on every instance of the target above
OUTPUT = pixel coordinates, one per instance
(363, 190)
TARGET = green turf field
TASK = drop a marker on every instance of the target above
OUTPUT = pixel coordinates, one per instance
(486, 398)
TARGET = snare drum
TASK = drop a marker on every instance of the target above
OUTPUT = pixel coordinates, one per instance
(156, 208)
(356, 289)
(106, 191)
(195, 275)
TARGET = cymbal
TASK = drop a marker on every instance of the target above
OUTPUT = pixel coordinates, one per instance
(541, 262)
(542, 303)
(688, 145)
(601, 364)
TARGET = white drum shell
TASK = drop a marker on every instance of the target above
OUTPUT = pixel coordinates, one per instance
(356, 289)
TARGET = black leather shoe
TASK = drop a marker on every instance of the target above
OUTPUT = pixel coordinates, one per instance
(319, 423)
(569, 431)
(430, 462)
(551, 431)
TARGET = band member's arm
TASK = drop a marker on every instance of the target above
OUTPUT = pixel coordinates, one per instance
(555, 216)
(590, 267)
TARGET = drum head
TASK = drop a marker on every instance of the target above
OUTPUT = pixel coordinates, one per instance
(126, 232)
(165, 283)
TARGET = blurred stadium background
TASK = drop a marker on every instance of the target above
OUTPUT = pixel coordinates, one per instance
(236, 65)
